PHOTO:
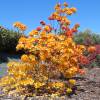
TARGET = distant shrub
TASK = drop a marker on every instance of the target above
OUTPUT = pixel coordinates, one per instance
(87, 38)
(8, 39)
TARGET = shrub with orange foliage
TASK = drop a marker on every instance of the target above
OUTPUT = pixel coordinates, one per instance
(47, 55)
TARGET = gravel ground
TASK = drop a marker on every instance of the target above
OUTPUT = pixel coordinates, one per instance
(88, 86)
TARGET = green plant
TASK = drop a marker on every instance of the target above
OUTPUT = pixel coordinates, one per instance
(96, 38)
(98, 59)
(8, 39)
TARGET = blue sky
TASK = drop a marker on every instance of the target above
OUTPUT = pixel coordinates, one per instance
(30, 12)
